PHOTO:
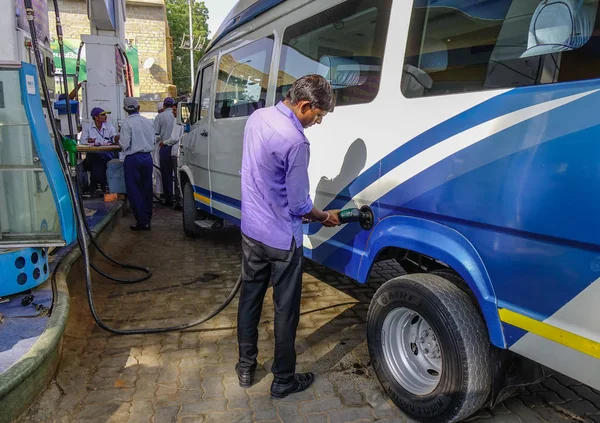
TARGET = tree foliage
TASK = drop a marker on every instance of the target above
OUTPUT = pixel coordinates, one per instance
(178, 18)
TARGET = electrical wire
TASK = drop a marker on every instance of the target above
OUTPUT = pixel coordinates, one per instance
(81, 223)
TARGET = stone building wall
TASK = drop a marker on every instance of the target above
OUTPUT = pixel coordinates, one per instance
(146, 27)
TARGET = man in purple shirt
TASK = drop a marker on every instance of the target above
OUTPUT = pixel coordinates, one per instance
(275, 198)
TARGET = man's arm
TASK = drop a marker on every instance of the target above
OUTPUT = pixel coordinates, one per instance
(85, 134)
(125, 139)
(113, 134)
(297, 186)
(157, 125)
(175, 135)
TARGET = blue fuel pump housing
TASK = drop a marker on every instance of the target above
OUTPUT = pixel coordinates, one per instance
(36, 209)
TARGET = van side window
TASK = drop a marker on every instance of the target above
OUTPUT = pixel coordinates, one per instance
(456, 47)
(207, 79)
(345, 44)
(202, 98)
(244, 79)
(197, 94)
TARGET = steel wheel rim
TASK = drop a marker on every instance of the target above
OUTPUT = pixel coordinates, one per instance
(411, 351)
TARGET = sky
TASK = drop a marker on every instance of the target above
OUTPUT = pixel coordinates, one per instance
(217, 11)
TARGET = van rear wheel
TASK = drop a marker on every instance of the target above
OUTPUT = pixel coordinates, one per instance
(429, 348)
(190, 212)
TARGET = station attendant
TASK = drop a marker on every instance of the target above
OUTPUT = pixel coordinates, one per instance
(275, 198)
(163, 127)
(173, 142)
(98, 134)
(137, 141)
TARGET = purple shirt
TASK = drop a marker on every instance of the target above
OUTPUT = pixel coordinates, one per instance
(275, 186)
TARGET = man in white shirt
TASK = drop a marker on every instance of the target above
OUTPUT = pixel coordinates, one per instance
(163, 126)
(98, 134)
(137, 142)
(173, 142)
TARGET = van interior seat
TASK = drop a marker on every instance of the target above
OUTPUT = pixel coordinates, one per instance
(560, 25)
(435, 56)
(345, 72)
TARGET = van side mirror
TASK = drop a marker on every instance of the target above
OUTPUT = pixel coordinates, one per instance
(183, 114)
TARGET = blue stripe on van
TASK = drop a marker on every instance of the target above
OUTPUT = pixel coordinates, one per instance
(230, 201)
(509, 102)
(221, 198)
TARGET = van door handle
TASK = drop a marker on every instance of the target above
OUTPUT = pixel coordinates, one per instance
(204, 133)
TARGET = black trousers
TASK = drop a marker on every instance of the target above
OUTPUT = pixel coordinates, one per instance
(176, 195)
(283, 268)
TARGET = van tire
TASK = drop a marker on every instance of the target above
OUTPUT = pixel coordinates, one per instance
(444, 319)
(452, 276)
(190, 212)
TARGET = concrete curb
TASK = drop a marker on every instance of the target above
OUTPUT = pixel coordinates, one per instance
(22, 383)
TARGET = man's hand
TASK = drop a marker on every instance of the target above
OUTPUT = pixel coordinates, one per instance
(333, 219)
(91, 140)
(116, 138)
(161, 144)
(327, 218)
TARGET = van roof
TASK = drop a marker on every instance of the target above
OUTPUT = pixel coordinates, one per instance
(243, 11)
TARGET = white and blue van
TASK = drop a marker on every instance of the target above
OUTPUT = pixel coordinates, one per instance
(471, 130)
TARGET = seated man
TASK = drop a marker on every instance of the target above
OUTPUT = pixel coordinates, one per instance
(99, 133)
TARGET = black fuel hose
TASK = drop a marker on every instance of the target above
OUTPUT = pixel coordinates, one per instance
(61, 47)
(79, 211)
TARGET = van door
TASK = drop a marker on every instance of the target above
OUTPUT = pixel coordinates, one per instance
(241, 89)
(195, 151)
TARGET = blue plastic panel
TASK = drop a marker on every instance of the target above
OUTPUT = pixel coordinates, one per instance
(23, 269)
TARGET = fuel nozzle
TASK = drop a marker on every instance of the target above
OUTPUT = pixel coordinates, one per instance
(70, 146)
(364, 216)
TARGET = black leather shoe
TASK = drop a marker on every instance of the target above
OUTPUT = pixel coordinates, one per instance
(245, 377)
(139, 227)
(300, 383)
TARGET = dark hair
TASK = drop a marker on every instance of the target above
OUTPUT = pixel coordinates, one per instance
(315, 89)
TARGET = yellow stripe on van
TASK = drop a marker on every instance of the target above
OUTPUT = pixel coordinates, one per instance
(201, 198)
(563, 337)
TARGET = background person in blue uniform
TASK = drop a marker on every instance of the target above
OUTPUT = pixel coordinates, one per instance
(173, 142)
(98, 134)
(163, 127)
(137, 141)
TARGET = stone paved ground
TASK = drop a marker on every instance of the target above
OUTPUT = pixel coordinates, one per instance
(189, 377)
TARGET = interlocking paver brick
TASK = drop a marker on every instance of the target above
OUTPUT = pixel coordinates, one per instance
(213, 387)
(379, 403)
(519, 409)
(316, 418)
(263, 408)
(192, 419)
(319, 405)
(350, 396)
(347, 415)
(236, 395)
(107, 395)
(166, 414)
(289, 412)
(99, 410)
(205, 406)
(323, 387)
(168, 373)
(190, 375)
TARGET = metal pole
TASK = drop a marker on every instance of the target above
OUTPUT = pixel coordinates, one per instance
(191, 47)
